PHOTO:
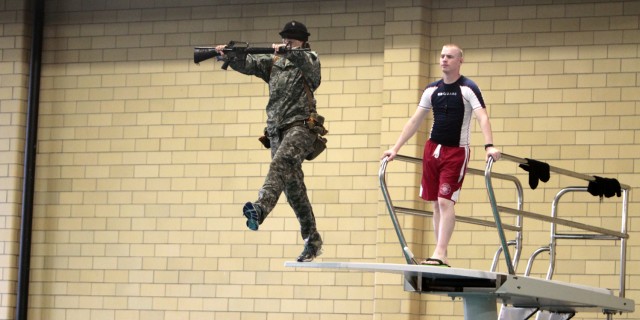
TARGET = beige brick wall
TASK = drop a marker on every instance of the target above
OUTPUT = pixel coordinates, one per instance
(145, 158)
(14, 54)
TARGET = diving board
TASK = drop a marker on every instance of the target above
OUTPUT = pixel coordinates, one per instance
(481, 291)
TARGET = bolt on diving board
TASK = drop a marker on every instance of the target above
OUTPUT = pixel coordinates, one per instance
(481, 291)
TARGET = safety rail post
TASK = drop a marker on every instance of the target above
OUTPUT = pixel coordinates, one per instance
(623, 242)
(408, 255)
(519, 222)
(497, 218)
(602, 235)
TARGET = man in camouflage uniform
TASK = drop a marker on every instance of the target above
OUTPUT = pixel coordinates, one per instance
(292, 79)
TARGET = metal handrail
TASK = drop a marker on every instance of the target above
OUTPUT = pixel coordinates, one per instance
(561, 171)
(597, 232)
(565, 222)
(478, 222)
(394, 219)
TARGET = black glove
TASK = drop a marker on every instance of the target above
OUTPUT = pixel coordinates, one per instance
(537, 171)
(604, 187)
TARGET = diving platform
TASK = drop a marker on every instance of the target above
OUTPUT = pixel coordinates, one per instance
(481, 291)
(521, 297)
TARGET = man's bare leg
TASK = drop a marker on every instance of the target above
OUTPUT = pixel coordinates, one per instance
(444, 220)
(436, 220)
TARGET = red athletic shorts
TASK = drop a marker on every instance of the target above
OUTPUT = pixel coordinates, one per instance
(443, 170)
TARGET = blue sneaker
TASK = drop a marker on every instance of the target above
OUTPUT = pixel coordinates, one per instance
(252, 213)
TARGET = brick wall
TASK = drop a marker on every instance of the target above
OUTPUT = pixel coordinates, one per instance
(145, 158)
(15, 40)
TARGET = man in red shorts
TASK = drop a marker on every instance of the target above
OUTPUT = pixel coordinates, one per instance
(453, 99)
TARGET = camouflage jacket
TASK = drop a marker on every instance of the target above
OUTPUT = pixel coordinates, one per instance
(285, 74)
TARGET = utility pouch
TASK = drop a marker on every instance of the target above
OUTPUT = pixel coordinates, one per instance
(318, 147)
(264, 139)
(316, 124)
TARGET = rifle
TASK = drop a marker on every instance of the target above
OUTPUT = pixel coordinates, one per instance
(235, 50)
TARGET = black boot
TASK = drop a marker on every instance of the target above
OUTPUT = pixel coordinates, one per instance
(312, 248)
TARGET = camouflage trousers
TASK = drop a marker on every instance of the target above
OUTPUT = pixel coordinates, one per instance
(288, 150)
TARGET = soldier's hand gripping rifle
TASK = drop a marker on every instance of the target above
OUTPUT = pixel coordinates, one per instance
(235, 50)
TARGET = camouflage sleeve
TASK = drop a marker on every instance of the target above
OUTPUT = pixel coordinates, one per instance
(309, 63)
(258, 65)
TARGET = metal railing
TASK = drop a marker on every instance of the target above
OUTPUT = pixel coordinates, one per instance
(594, 232)
(517, 227)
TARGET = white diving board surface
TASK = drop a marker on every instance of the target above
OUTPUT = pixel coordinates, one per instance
(482, 290)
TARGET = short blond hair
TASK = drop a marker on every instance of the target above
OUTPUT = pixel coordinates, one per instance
(453, 45)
